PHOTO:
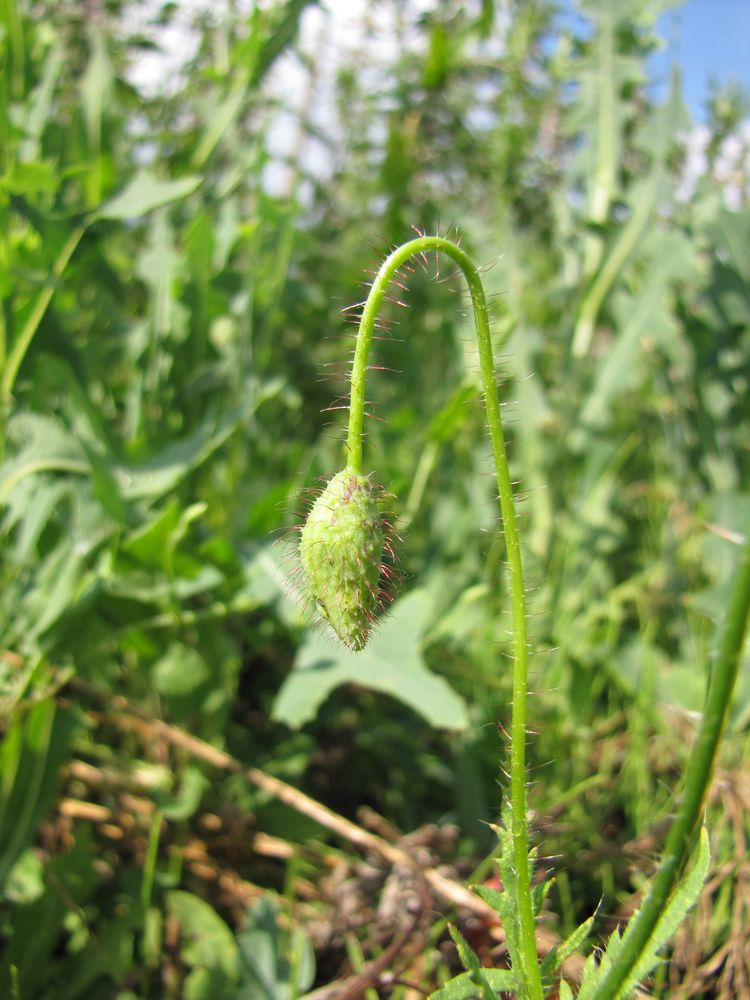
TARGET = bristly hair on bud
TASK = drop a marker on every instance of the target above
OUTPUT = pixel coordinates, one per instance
(341, 550)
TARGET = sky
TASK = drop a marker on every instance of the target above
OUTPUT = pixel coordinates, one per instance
(710, 39)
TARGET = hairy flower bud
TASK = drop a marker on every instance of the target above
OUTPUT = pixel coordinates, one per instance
(341, 548)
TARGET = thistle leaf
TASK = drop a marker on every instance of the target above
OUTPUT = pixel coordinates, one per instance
(683, 898)
(463, 986)
(555, 958)
(475, 972)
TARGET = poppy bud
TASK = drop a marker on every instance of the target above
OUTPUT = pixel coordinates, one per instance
(341, 549)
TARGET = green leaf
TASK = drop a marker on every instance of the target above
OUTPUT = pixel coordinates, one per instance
(31, 178)
(62, 580)
(144, 193)
(475, 973)
(164, 471)
(682, 899)
(184, 803)
(506, 901)
(33, 955)
(40, 108)
(730, 235)
(96, 86)
(42, 444)
(34, 747)
(463, 987)
(149, 542)
(35, 506)
(25, 882)
(493, 897)
(276, 965)
(555, 958)
(671, 258)
(108, 954)
(208, 944)
(181, 671)
(391, 663)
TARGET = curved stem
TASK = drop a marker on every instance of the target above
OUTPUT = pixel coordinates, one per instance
(697, 779)
(530, 971)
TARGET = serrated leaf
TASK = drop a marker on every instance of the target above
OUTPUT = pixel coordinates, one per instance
(470, 960)
(574, 941)
(391, 663)
(493, 897)
(682, 899)
(507, 869)
(463, 987)
(539, 893)
(555, 958)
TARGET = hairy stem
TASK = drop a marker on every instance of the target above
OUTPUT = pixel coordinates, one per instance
(530, 971)
(697, 779)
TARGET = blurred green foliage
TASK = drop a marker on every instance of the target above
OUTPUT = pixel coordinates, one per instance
(170, 340)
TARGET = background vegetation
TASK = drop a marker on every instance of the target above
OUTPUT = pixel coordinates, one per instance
(170, 340)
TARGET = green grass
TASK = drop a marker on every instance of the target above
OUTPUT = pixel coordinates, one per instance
(170, 338)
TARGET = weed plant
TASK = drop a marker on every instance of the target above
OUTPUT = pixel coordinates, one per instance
(341, 550)
(201, 796)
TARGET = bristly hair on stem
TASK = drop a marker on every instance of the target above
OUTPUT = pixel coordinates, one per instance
(342, 548)
(343, 580)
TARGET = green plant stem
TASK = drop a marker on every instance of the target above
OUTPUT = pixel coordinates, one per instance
(603, 180)
(23, 342)
(10, 365)
(697, 780)
(607, 275)
(530, 971)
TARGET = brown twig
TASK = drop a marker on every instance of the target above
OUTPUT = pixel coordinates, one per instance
(128, 718)
(369, 976)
